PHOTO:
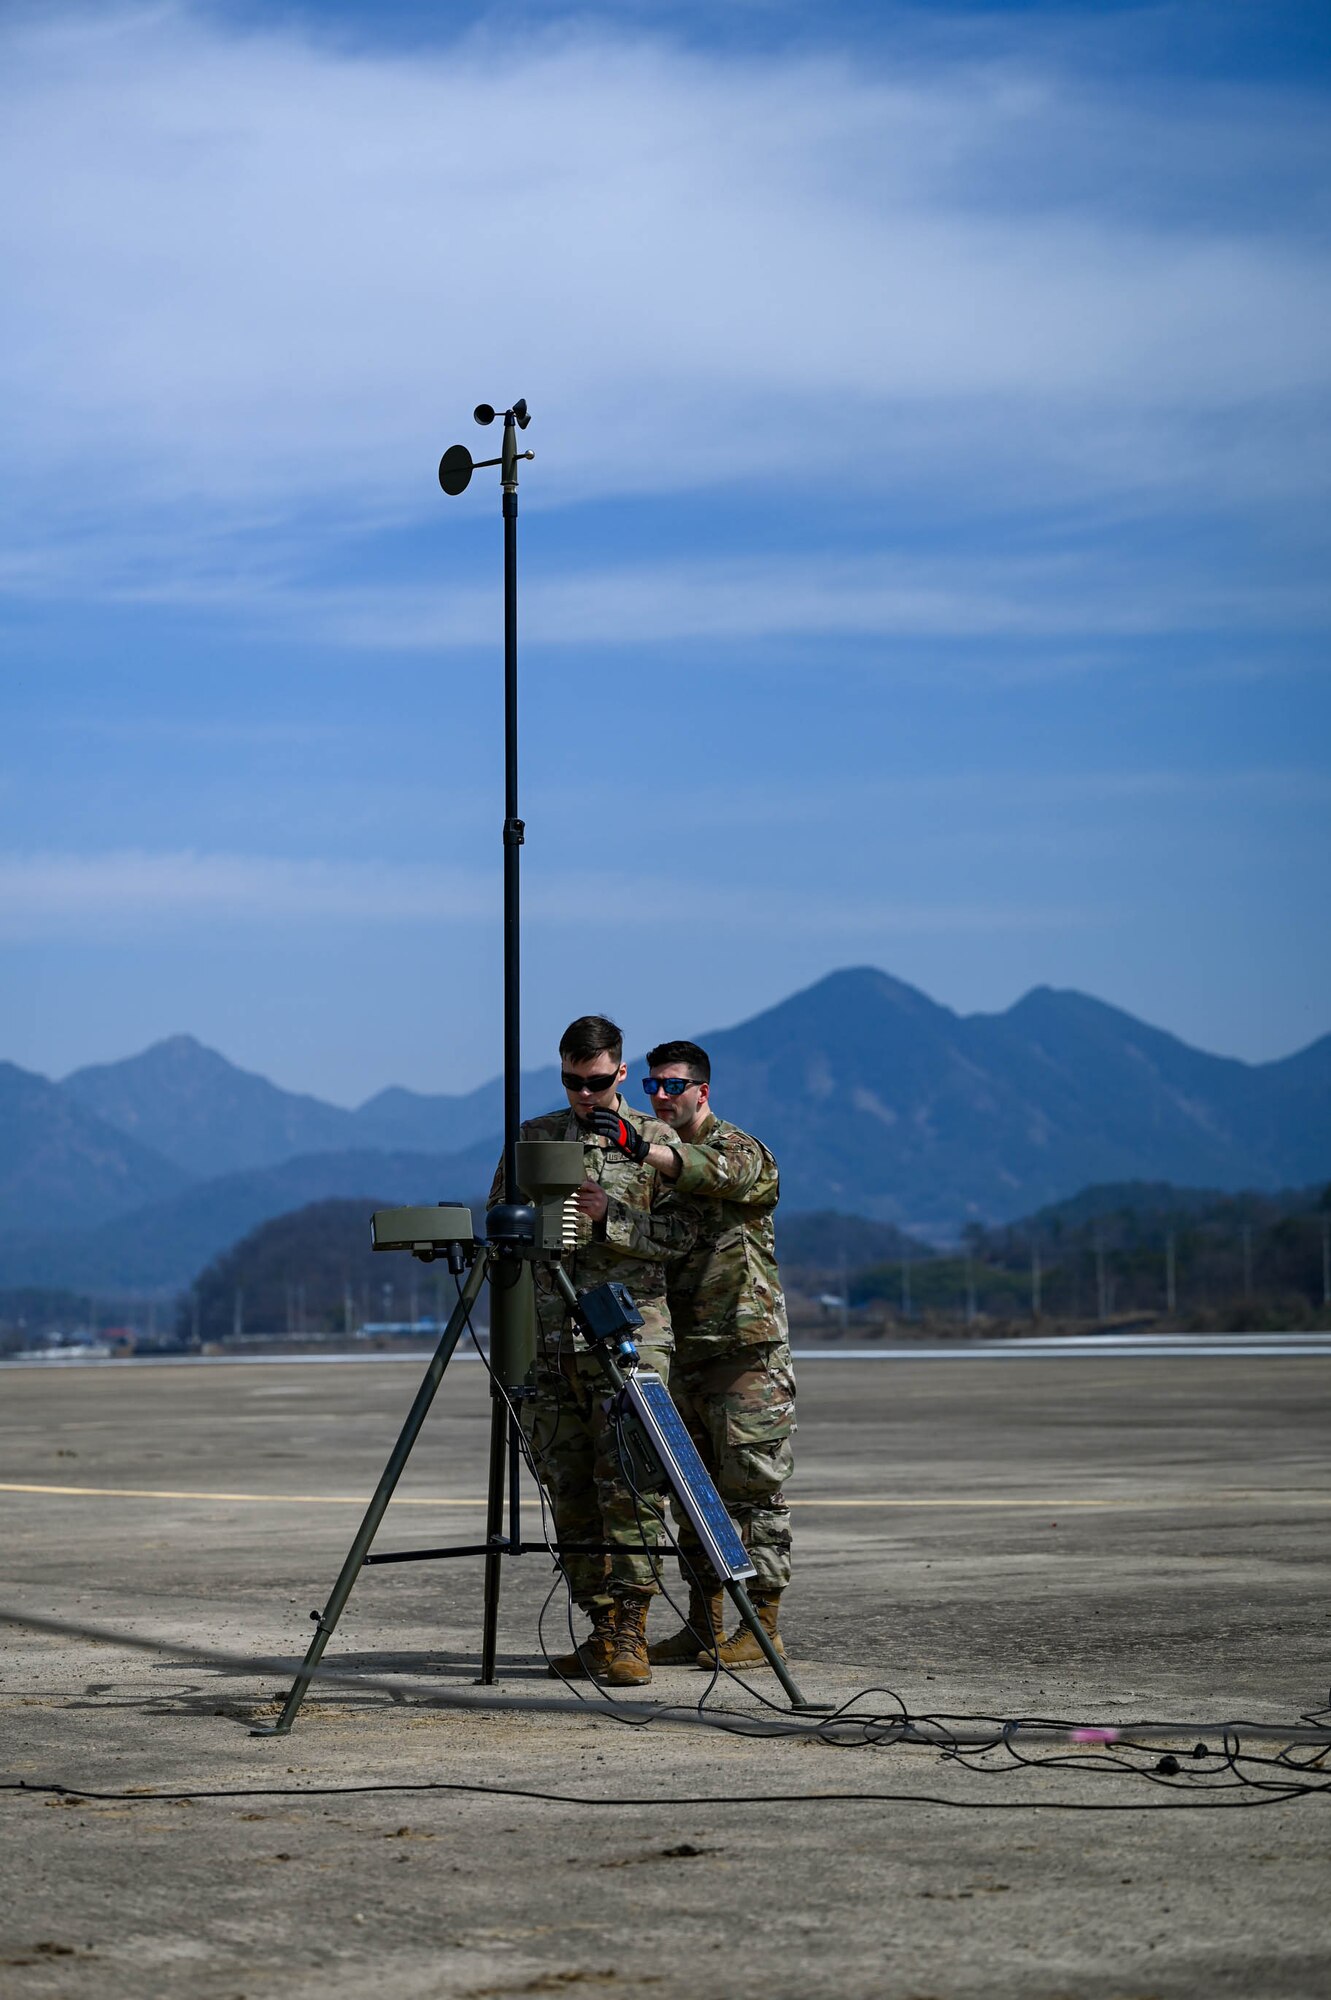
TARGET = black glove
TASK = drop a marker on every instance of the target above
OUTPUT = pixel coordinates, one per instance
(609, 1125)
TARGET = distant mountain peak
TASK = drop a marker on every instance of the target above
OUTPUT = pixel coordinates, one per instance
(852, 1001)
(174, 1054)
(868, 981)
(183, 1047)
(1070, 999)
(203, 1111)
(1065, 1007)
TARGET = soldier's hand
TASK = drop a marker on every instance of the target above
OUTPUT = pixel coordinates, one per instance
(609, 1125)
(592, 1200)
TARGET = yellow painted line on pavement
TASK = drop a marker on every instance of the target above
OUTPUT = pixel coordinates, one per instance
(1053, 1504)
(277, 1499)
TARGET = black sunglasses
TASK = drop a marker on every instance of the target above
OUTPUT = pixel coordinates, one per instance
(673, 1086)
(595, 1084)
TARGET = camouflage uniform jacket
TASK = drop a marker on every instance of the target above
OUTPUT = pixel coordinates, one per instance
(644, 1225)
(726, 1293)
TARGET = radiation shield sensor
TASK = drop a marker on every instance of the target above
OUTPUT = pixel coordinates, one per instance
(550, 1172)
(550, 1169)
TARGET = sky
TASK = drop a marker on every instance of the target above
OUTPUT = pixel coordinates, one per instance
(923, 562)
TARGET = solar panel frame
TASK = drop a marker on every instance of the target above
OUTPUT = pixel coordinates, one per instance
(689, 1480)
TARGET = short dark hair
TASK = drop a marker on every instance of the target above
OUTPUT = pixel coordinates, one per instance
(589, 1036)
(695, 1059)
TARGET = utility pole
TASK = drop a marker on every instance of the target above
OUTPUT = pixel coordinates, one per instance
(1247, 1262)
(1171, 1287)
(1035, 1279)
(905, 1280)
(238, 1313)
(1101, 1296)
(970, 1289)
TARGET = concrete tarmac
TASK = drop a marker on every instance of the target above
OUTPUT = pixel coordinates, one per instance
(1101, 1540)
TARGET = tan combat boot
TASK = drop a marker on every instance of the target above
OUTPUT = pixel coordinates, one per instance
(628, 1663)
(741, 1649)
(702, 1627)
(593, 1655)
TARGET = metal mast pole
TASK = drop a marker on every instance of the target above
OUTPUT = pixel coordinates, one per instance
(496, 1542)
(513, 827)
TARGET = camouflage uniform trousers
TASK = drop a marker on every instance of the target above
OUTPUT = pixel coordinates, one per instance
(572, 1435)
(739, 1406)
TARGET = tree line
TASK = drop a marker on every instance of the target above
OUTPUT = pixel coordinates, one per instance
(1188, 1257)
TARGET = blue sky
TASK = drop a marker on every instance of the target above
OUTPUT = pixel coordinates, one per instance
(924, 559)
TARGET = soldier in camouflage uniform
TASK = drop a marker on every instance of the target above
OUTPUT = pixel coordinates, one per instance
(733, 1379)
(630, 1222)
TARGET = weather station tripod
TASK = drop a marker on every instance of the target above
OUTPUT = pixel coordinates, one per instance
(532, 1228)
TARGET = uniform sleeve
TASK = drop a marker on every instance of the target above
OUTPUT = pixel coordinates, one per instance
(668, 1229)
(730, 1167)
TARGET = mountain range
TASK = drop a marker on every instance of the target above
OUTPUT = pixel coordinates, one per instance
(877, 1100)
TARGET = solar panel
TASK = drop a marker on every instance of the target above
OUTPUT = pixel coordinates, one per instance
(687, 1476)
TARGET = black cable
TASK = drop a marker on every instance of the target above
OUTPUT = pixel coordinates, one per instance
(607, 1698)
(879, 1731)
(745, 1799)
(529, 1457)
(899, 1727)
(625, 1458)
(625, 1465)
(847, 1727)
(561, 1571)
(876, 1731)
(719, 1667)
(695, 1581)
(1272, 1791)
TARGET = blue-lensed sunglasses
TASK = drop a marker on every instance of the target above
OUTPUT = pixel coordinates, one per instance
(673, 1086)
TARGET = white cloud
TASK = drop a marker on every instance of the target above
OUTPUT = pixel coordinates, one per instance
(135, 891)
(250, 272)
(994, 800)
(882, 596)
(1092, 600)
(52, 893)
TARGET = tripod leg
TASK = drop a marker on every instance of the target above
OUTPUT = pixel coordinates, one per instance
(739, 1597)
(494, 1534)
(515, 1485)
(378, 1506)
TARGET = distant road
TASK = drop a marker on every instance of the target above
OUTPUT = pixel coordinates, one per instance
(1078, 1347)
(1075, 1347)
